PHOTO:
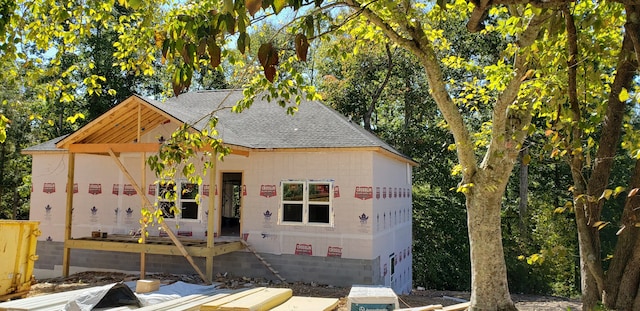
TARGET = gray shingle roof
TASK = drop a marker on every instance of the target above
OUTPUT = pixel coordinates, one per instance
(267, 125)
(49, 145)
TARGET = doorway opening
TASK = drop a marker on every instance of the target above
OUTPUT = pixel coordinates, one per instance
(231, 202)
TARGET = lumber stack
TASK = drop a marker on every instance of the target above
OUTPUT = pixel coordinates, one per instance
(457, 307)
(297, 303)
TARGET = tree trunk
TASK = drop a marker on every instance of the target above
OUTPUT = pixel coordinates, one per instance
(524, 193)
(621, 284)
(488, 268)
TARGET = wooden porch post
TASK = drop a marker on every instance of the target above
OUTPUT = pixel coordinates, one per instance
(69, 213)
(211, 208)
(143, 231)
(143, 179)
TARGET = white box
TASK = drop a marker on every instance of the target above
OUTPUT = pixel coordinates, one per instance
(372, 298)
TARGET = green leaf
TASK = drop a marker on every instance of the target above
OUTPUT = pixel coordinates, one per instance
(135, 4)
(308, 23)
(228, 6)
(243, 42)
(278, 5)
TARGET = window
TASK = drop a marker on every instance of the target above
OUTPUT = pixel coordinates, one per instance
(306, 202)
(187, 200)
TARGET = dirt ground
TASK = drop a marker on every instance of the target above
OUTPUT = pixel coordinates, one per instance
(415, 299)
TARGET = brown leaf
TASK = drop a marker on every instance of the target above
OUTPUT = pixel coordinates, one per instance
(177, 88)
(268, 55)
(302, 47)
(165, 49)
(185, 55)
(263, 53)
(270, 73)
(253, 6)
(214, 53)
(633, 192)
(202, 47)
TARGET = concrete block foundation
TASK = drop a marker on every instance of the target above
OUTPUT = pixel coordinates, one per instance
(294, 268)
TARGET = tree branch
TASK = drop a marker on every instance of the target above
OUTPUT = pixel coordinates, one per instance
(421, 46)
(500, 129)
(632, 26)
(481, 7)
(378, 92)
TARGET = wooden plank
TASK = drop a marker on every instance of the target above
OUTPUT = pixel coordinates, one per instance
(118, 148)
(68, 214)
(260, 301)
(215, 305)
(210, 214)
(424, 308)
(143, 229)
(457, 307)
(166, 248)
(297, 303)
(186, 303)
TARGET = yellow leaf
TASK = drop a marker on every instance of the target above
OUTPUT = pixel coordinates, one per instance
(606, 194)
(624, 95)
(559, 210)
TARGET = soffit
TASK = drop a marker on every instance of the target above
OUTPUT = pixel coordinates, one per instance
(118, 125)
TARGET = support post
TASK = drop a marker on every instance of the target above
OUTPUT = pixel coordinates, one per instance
(143, 228)
(68, 213)
(143, 231)
(211, 208)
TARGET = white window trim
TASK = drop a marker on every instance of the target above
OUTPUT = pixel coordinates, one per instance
(179, 200)
(305, 203)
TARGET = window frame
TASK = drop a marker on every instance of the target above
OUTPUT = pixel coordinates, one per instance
(306, 203)
(178, 200)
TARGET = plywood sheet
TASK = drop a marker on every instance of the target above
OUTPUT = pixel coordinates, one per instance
(457, 307)
(297, 303)
(215, 305)
(259, 301)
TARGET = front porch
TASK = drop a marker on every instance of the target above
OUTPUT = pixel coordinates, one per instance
(156, 245)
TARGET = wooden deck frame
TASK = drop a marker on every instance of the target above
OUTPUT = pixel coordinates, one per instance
(207, 249)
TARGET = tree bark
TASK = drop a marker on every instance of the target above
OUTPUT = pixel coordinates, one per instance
(524, 194)
(490, 290)
(621, 283)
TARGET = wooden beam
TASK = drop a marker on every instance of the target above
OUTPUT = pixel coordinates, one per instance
(163, 224)
(143, 181)
(104, 148)
(68, 213)
(240, 152)
(156, 249)
(211, 210)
